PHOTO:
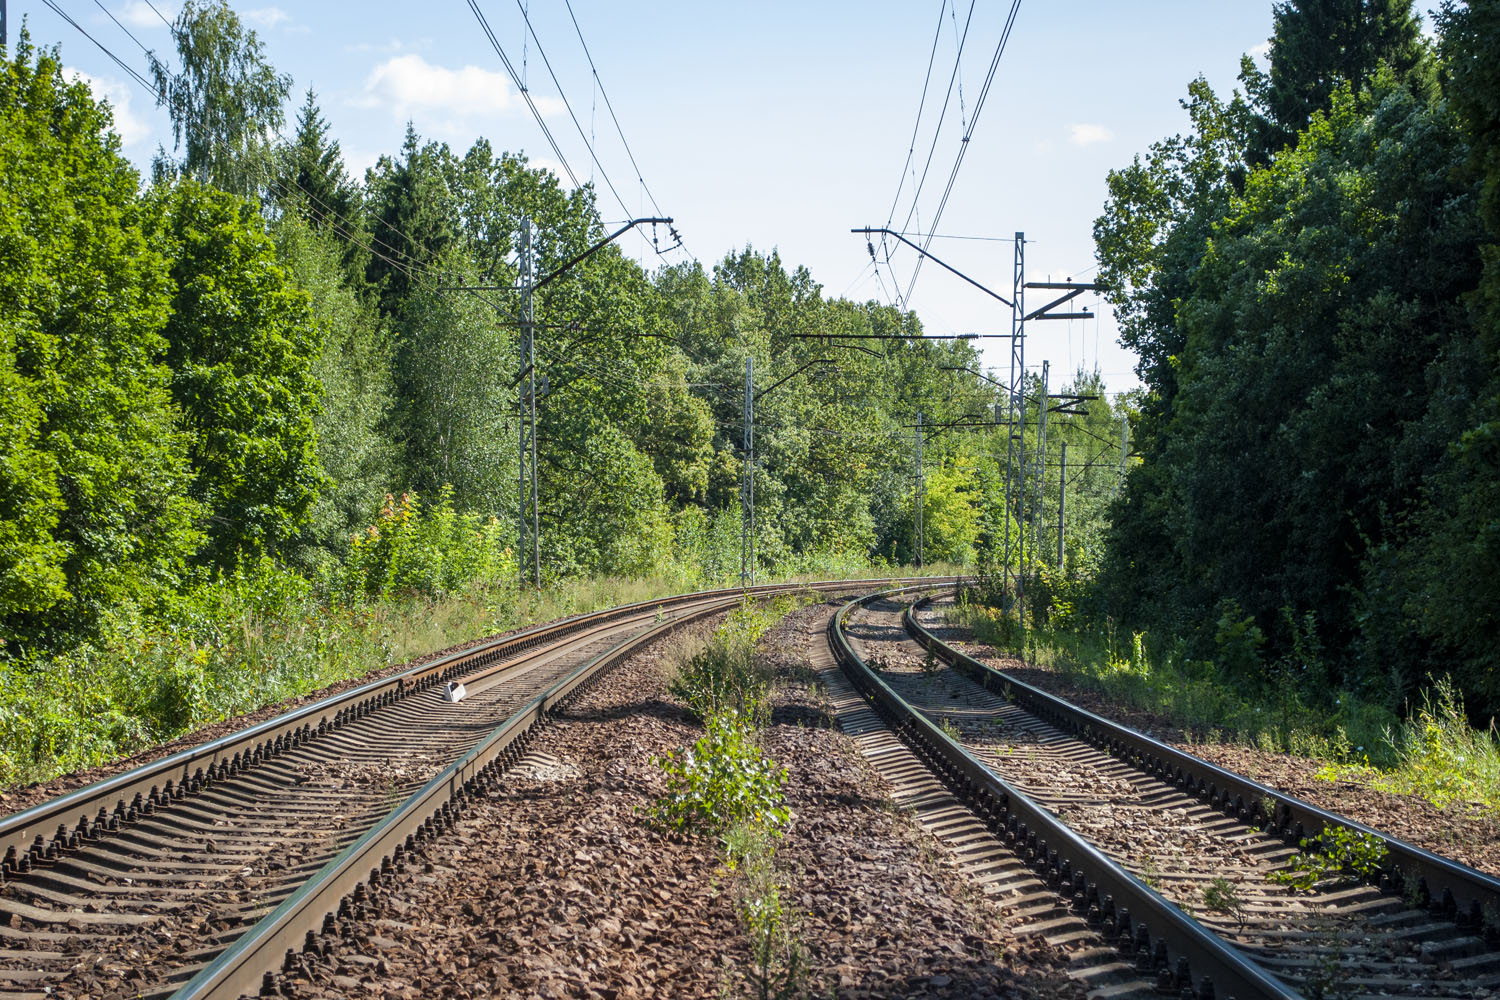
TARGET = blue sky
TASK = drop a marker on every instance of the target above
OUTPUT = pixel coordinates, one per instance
(776, 125)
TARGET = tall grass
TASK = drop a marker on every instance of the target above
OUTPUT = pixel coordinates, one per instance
(266, 635)
(1434, 753)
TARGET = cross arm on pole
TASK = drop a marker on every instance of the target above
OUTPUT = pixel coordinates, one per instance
(787, 378)
(1071, 289)
(868, 231)
(580, 258)
(970, 371)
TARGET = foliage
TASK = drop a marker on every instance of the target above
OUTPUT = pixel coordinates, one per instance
(721, 780)
(223, 103)
(721, 677)
(1136, 670)
(1318, 46)
(778, 960)
(1437, 755)
(309, 173)
(449, 412)
(352, 366)
(241, 344)
(430, 551)
(1337, 853)
(1299, 275)
(1220, 896)
(93, 470)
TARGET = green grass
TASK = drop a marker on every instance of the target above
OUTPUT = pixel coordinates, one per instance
(234, 646)
(1438, 755)
(1433, 754)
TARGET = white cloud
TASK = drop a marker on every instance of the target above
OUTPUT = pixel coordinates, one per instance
(1261, 51)
(138, 14)
(1086, 134)
(267, 17)
(407, 85)
(131, 128)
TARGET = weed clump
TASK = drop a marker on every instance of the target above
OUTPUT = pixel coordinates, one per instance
(1339, 855)
(721, 781)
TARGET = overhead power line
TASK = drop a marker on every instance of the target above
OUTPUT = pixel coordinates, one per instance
(938, 130)
(610, 107)
(911, 148)
(102, 48)
(525, 16)
(122, 27)
(525, 94)
(963, 145)
(160, 15)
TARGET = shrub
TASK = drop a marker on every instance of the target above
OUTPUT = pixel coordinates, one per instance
(1339, 853)
(721, 780)
(722, 677)
(428, 551)
(1441, 757)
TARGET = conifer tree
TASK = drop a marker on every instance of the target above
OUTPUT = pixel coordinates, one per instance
(311, 171)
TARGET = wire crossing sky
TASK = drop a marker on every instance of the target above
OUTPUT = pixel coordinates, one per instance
(780, 126)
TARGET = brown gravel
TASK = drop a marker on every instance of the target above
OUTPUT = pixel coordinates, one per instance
(1466, 832)
(558, 887)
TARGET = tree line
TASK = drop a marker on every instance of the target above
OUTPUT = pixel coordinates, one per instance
(252, 363)
(1309, 274)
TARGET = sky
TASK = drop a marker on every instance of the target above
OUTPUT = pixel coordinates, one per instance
(774, 125)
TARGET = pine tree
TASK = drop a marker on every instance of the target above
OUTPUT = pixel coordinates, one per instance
(311, 171)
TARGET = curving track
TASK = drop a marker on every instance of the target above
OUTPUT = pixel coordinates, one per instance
(1177, 834)
(197, 872)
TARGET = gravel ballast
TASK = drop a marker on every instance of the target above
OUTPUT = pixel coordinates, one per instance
(559, 886)
(1466, 832)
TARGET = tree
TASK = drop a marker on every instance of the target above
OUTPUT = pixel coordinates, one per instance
(223, 102)
(1318, 46)
(241, 344)
(415, 217)
(92, 463)
(1457, 563)
(353, 369)
(454, 412)
(310, 173)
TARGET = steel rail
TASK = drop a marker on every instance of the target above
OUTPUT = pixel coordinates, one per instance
(246, 966)
(1462, 894)
(1163, 938)
(45, 831)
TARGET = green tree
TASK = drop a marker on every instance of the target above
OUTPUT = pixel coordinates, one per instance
(241, 344)
(1457, 562)
(310, 175)
(414, 217)
(1318, 46)
(353, 368)
(223, 102)
(92, 464)
(454, 413)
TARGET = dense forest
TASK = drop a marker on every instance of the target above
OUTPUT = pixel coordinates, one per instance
(251, 392)
(1310, 277)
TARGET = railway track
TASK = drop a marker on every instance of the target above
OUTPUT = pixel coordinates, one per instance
(204, 873)
(1167, 855)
